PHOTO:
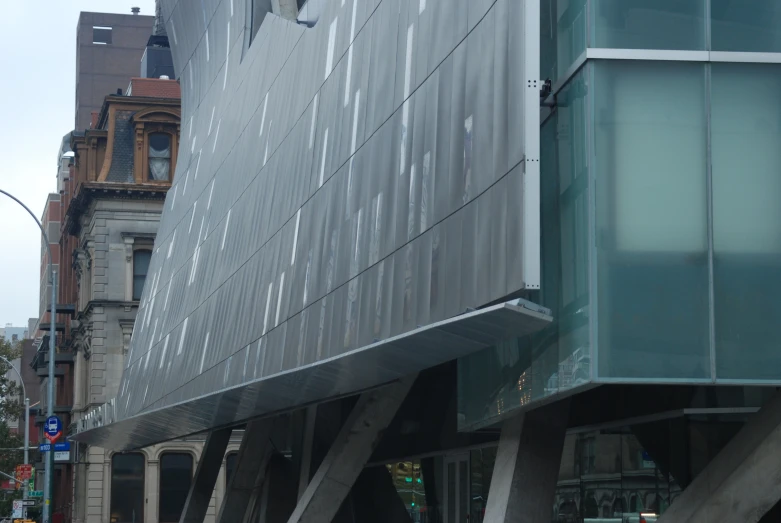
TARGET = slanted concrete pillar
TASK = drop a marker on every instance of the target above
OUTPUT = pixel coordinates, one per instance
(251, 462)
(740, 483)
(287, 9)
(349, 452)
(205, 476)
(523, 485)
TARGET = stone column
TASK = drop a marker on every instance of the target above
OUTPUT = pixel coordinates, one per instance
(152, 487)
(129, 268)
(106, 488)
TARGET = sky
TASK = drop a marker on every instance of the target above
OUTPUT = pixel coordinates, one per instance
(37, 104)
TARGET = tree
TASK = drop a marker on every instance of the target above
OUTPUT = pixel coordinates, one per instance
(11, 397)
(11, 408)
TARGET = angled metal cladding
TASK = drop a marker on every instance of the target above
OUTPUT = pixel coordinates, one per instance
(335, 186)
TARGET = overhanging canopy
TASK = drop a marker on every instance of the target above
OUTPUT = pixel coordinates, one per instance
(350, 373)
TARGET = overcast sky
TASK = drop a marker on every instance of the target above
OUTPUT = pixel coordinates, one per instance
(37, 92)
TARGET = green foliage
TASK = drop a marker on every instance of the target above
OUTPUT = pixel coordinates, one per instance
(9, 459)
(11, 397)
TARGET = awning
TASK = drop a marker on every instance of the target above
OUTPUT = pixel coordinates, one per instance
(350, 373)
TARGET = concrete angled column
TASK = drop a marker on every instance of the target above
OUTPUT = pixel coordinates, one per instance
(205, 476)
(251, 462)
(349, 452)
(523, 485)
(740, 483)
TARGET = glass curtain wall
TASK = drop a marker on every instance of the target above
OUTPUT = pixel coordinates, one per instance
(660, 213)
(520, 371)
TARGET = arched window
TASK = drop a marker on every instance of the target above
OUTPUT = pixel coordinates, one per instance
(176, 472)
(230, 467)
(127, 488)
(160, 157)
(141, 260)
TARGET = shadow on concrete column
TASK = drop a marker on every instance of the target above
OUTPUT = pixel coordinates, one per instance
(523, 485)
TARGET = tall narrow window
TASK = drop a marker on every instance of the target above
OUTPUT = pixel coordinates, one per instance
(176, 472)
(141, 260)
(160, 157)
(230, 467)
(127, 488)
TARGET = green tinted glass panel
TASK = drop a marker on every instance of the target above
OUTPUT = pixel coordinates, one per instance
(519, 371)
(747, 219)
(648, 24)
(651, 231)
(562, 34)
(746, 25)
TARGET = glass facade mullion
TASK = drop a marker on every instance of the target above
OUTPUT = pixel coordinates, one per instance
(709, 199)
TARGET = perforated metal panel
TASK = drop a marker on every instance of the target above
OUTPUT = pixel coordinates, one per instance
(337, 187)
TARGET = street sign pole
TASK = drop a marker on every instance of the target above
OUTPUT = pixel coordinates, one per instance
(26, 440)
(49, 482)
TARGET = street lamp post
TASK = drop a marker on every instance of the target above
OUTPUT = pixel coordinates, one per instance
(49, 470)
(26, 422)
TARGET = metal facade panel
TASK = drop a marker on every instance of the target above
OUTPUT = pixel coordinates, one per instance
(379, 362)
(336, 186)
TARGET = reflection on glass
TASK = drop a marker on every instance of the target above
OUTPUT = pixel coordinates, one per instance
(746, 219)
(608, 475)
(648, 24)
(412, 487)
(176, 470)
(451, 493)
(127, 488)
(650, 137)
(563, 35)
(481, 466)
(747, 25)
(516, 372)
(463, 492)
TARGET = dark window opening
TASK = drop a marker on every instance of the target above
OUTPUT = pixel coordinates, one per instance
(176, 472)
(230, 467)
(101, 35)
(160, 157)
(141, 259)
(260, 8)
(127, 488)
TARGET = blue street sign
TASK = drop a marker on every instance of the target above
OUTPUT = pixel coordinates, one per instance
(58, 447)
(53, 428)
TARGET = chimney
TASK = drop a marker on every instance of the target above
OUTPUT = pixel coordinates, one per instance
(159, 27)
(135, 10)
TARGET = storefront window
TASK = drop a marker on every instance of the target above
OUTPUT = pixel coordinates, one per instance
(176, 471)
(127, 488)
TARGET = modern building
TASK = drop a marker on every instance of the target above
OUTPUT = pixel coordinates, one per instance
(109, 50)
(484, 261)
